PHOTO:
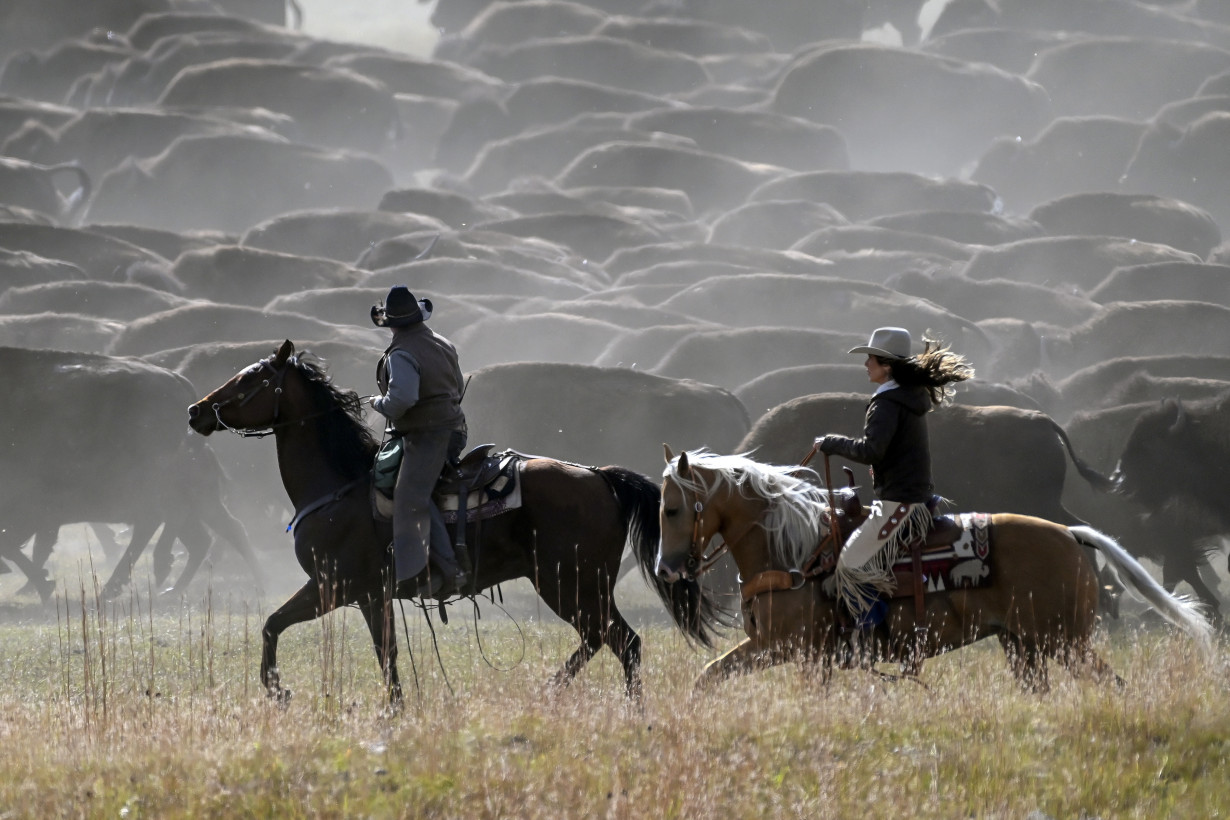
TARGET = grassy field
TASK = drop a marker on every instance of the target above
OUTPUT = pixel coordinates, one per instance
(117, 711)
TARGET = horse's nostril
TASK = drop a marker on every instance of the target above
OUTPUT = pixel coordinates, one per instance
(193, 411)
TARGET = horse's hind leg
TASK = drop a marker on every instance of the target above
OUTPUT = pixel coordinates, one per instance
(591, 642)
(1083, 662)
(231, 530)
(37, 579)
(164, 558)
(197, 541)
(623, 641)
(45, 541)
(1184, 567)
(626, 644)
(1027, 661)
(596, 629)
(142, 532)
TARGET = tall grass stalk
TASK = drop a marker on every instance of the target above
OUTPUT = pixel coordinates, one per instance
(146, 707)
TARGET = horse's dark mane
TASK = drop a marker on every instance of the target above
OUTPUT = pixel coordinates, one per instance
(345, 438)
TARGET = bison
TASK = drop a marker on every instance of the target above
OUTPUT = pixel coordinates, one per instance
(1176, 465)
(598, 415)
(94, 439)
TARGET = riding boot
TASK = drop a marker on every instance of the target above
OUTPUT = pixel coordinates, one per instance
(433, 583)
(857, 636)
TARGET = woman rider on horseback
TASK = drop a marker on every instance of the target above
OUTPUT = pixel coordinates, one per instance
(895, 445)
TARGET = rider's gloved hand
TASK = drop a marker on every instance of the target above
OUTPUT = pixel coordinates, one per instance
(827, 444)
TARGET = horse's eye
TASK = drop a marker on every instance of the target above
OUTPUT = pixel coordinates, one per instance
(671, 512)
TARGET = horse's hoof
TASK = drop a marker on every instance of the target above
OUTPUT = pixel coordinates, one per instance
(279, 695)
(44, 588)
(110, 593)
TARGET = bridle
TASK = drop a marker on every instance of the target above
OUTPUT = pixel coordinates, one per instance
(278, 376)
(698, 563)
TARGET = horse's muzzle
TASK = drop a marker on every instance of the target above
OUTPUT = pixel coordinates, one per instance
(203, 423)
(667, 574)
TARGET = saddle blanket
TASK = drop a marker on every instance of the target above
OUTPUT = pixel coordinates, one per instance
(500, 495)
(965, 564)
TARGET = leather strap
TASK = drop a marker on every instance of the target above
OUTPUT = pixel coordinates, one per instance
(323, 501)
(920, 605)
(771, 580)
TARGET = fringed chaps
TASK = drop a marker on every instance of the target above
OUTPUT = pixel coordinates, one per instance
(865, 568)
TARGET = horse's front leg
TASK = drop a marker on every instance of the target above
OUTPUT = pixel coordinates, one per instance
(748, 656)
(304, 605)
(781, 626)
(378, 612)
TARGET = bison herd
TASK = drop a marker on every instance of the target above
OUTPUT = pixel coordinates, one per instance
(641, 221)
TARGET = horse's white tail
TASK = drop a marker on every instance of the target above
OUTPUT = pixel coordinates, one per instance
(1180, 610)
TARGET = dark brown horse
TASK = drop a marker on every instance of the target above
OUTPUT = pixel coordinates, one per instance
(566, 538)
(1041, 600)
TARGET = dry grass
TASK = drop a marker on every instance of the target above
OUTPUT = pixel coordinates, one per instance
(116, 711)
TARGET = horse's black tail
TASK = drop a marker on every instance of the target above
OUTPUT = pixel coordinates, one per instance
(694, 609)
(1096, 480)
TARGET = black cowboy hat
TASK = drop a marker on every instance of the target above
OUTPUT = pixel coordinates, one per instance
(400, 308)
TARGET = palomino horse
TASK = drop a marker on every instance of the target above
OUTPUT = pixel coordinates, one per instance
(1041, 599)
(567, 537)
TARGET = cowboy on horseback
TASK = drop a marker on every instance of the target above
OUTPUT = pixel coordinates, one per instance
(896, 446)
(421, 386)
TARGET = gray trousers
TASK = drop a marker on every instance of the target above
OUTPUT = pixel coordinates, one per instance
(418, 527)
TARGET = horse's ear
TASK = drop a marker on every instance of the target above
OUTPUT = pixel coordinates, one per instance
(684, 468)
(666, 451)
(286, 350)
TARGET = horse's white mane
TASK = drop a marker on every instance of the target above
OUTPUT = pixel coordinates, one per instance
(795, 520)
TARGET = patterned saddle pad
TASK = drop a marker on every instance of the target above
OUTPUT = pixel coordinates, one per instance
(963, 564)
(498, 495)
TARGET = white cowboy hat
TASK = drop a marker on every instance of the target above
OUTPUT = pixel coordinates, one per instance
(887, 343)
